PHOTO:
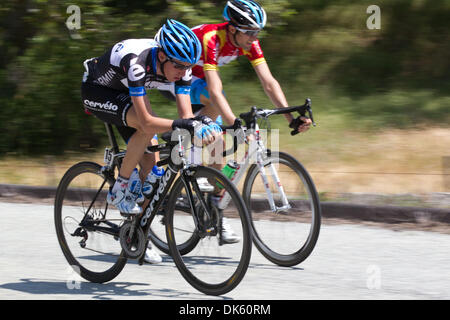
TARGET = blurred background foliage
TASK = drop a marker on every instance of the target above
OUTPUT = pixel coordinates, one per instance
(397, 76)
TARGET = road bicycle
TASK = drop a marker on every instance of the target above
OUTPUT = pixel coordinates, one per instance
(278, 191)
(97, 240)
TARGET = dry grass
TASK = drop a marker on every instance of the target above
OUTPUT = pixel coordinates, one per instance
(46, 170)
(393, 161)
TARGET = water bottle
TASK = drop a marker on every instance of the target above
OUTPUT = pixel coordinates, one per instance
(229, 171)
(152, 180)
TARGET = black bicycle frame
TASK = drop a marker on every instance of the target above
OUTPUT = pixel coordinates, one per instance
(159, 194)
(165, 183)
(164, 186)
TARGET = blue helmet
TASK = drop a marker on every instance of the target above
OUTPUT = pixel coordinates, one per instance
(179, 42)
(245, 13)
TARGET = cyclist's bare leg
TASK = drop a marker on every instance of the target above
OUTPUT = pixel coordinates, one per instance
(136, 146)
(135, 151)
(147, 162)
(210, 111)
(215, 152)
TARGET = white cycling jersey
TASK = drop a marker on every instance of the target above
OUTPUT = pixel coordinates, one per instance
(130, 66)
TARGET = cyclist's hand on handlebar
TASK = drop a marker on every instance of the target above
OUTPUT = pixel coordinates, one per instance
(301, 124)
(214, 127)
(203, 133)
(305, 125)
(204, 119)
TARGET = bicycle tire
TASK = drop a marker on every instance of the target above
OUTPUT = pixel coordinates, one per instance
(222, 271)
(274, 255)
(63, 194)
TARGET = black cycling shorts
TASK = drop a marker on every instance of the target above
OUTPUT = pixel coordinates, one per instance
(108, 105)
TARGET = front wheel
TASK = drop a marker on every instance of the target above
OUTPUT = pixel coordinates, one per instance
(220, 259)
(284, 208)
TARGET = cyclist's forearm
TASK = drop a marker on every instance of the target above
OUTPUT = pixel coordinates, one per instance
(142, 117)
(184, 106)
(217, 97)
(276, 95)
(152, 125)
(272, 88)
(220, 102)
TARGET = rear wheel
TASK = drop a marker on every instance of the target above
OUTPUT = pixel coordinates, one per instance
(87, 229)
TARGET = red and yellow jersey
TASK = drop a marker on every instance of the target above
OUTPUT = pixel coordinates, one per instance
(217, 49)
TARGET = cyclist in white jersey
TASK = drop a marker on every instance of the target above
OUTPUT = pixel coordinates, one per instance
(114, 90)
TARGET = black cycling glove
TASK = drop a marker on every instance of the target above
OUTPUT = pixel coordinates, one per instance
(195, 127)
(214, 127)
(187, 124)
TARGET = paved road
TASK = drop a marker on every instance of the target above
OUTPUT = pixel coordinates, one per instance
(349, 262)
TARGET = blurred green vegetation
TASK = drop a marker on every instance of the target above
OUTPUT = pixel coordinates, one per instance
(397, 76)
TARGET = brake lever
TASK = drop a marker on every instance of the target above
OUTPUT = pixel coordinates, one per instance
(311, 116)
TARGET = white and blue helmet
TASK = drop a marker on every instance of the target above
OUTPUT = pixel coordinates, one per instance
(245, 13)
(179, 42)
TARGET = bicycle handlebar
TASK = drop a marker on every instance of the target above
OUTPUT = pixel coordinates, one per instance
(250, 121)
(251, 116)
(170, 142)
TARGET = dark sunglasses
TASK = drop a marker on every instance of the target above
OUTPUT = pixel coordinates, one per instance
(180, 66)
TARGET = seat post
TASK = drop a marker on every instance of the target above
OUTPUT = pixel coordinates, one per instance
(112, 137)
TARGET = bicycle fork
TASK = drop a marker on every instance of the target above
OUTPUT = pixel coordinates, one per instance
(279, 186)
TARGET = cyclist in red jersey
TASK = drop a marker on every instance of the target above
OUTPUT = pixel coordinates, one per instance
(223, 43)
